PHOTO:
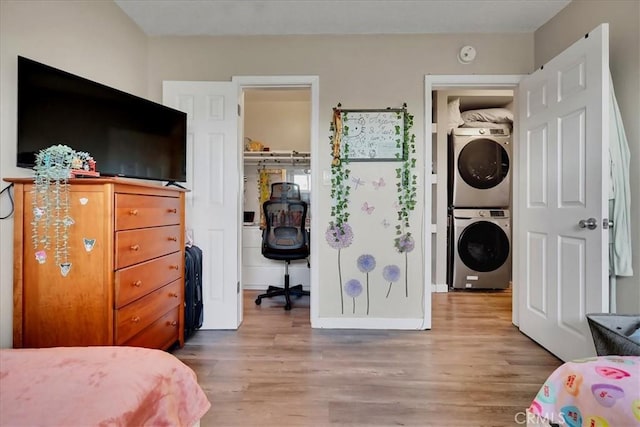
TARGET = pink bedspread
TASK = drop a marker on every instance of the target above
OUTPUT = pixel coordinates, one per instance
(97, 386)
(595, 392)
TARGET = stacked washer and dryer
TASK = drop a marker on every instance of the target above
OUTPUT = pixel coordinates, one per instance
(479, 214)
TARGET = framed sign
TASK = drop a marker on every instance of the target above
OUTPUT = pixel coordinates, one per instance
(369, 135)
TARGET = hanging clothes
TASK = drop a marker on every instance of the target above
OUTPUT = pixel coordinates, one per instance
(620, 194)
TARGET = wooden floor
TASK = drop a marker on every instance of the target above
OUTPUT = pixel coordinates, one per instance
(473, 368)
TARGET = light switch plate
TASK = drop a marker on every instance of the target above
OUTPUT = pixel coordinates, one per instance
(326, 177)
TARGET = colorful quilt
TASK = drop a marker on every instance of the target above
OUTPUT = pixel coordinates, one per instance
(595, 392)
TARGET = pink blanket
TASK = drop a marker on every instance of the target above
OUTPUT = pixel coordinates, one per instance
(595, 392)
(97, 386)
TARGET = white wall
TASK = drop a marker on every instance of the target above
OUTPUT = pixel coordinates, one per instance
(359, 72)
(623, 16)
(93, 39)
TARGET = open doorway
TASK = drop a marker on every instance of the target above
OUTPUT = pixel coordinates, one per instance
(473, 141)
(467, 93)
(276, 128)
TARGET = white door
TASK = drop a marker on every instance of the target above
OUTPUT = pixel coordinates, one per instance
(213, 204)
(563, 179)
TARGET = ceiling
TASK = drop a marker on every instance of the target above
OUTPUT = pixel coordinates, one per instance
(288, 17)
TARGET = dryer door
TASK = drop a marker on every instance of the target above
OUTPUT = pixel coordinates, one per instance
(483, 163)
(483, 246)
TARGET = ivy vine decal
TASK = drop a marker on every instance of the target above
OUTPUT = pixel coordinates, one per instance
(407, 191)
(339, 235)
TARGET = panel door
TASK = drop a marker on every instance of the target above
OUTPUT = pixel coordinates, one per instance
(213, 204)
(563, 159)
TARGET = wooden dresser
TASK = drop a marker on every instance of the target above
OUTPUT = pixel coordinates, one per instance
(125, 285)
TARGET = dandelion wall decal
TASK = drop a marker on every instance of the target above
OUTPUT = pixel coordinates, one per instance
(353, 288)
(339, 237)
(405, 244)
(366, 264)
(391, 273)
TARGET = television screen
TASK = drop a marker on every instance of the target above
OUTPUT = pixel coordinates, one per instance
(126, 135)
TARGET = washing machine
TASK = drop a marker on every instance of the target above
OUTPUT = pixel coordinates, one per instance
(480, 169)
(481, 249)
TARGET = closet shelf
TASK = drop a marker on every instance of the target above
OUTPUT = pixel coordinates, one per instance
(277, 158)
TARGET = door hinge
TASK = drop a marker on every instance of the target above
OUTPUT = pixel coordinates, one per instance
(238, 287)
(239, 111)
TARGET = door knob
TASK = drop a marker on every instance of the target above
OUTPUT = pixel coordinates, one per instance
(590, 223)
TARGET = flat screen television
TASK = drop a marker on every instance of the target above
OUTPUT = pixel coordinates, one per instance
(126, 135)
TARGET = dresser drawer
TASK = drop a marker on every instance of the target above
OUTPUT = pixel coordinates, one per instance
(134, 246)
(140, 279)
(136, 211)
(160, 334)
(136, 316)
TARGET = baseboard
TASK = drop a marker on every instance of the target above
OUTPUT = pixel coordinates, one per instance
(254, 287)
(439, 288)
(367, 323)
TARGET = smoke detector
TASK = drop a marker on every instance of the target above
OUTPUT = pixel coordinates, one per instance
(467, 54)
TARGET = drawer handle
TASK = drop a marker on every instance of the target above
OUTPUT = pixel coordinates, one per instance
(173, 323)
(133, 212)
(174, 267)
(135, 247)
(173, 239)
(137, 283)
(135, 319)
(174, 210)
(173, 294)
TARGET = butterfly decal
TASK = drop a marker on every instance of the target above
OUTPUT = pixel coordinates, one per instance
(368, 209)
(379, 183)
(357, 182)
(385, 223)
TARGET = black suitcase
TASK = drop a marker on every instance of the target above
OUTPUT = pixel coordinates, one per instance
(193, 315)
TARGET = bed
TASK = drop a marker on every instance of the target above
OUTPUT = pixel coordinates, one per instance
(600, 391)
(98, 386)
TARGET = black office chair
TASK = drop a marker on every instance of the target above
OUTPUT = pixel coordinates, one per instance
(285, 237)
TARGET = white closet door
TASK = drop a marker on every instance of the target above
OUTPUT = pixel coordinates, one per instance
(213, 205)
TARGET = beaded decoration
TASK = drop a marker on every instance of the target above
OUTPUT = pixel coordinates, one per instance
(50, 203)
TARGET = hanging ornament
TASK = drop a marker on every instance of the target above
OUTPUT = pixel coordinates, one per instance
(50, 198)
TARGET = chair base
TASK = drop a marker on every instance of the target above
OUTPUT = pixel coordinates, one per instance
(287, 291)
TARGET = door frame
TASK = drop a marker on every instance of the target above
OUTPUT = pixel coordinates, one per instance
(311, 82)
(479, 81)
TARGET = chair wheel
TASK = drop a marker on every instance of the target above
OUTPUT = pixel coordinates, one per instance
(258, 301)
(287, 306)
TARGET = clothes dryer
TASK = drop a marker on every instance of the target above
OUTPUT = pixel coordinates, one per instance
(481, 168)
(481, 255)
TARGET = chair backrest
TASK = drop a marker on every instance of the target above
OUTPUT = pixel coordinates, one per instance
(285, 236)
(285, 191)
